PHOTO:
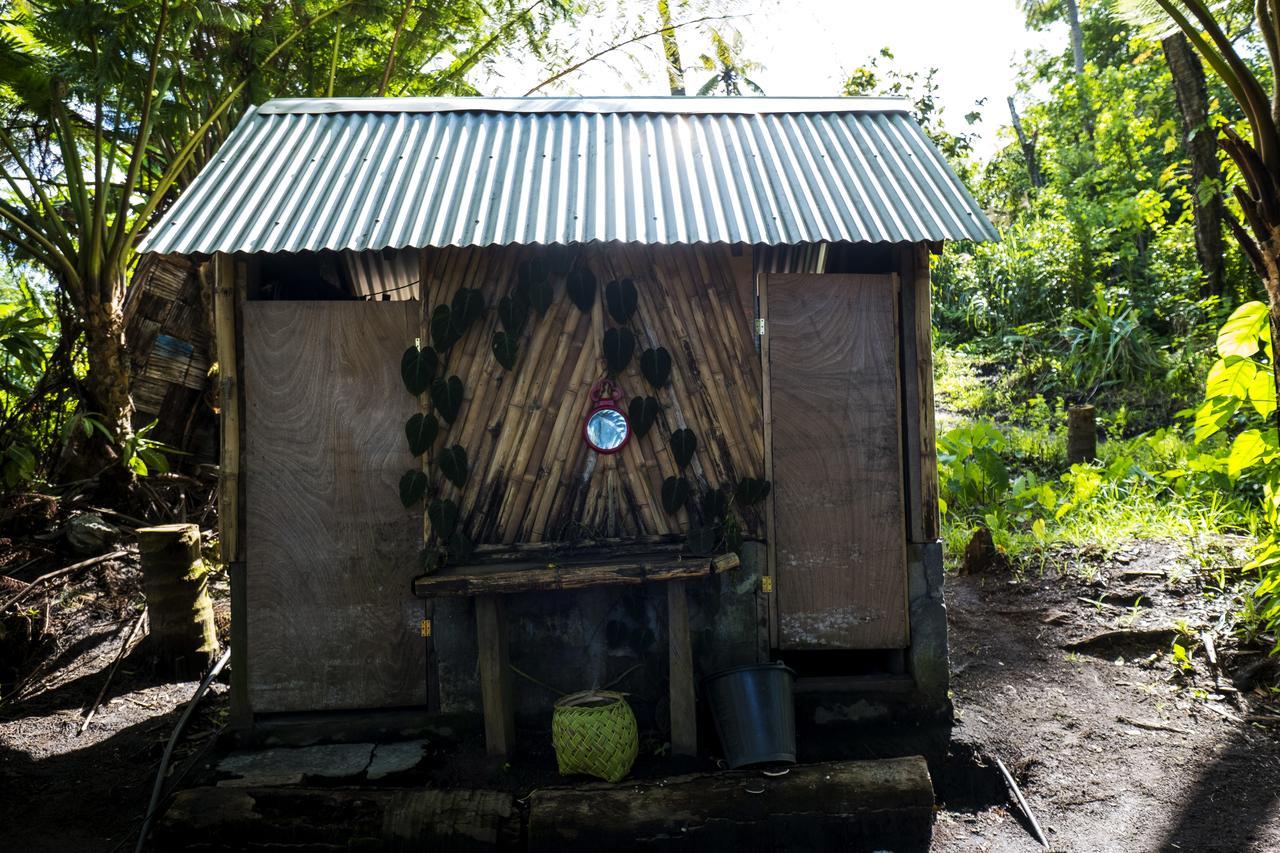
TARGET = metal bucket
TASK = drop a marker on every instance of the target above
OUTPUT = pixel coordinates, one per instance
(754, 713)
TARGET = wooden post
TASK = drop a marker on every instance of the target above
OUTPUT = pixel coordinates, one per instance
(175, 580)
(228, 290)
(495, 675)
(1082, 434)
(684, 718)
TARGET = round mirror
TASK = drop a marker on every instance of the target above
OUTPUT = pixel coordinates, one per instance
(607, 430)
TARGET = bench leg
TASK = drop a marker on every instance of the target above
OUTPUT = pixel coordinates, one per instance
(495, 675)
(684, 721)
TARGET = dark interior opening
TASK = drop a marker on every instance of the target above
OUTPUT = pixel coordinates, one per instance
(844, 663)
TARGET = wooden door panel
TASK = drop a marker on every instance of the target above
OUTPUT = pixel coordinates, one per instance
(839, 529)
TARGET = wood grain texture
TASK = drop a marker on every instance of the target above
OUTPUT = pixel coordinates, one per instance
(495, 675)
(330, 551)
(931, 522)
(684, 713)
(506, 578)
(837, 462)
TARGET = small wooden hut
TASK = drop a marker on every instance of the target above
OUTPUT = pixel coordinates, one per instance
(421, 304)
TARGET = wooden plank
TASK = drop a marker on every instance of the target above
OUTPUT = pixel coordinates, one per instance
(229, 284)
(906, 260)
(330, 550)
(837, 462)
(928, 446)
(684, 715)
(510, 578)
(767, 581)
(495, 675)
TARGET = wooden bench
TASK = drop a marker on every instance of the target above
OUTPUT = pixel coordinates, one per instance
(489, 582)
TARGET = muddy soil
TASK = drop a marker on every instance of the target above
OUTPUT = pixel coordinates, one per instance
(1115, 747)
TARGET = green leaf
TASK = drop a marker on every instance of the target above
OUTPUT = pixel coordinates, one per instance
(1239, 336)
(1247, 450)
(421, 430)
(715, 505)
(413, 485)
(703, 540)
(443, 515)
(443, 333)
(446, 396)
(535, 285)
(1230, 377)
(620, 298)
(675, 494)
(467, 307)
(683, 445)
(619, 345)
(453, 463)
(580, 284)
(1212, 415)
(418, 368)
(512, 313)
(505, 349)
(460, 547)
(655, 364)
(1262, 393)
(750, 491)
(642, 412)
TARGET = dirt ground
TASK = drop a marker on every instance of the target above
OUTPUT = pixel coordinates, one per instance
(1114, 747)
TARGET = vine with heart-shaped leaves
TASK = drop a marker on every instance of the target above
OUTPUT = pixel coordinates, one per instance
(424, 371)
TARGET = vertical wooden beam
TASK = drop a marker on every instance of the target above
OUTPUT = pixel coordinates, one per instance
(495, 675)
(909, 383)
(432, 674)
(770, 572)
(230, 284)
(684, 716)
(928, 445)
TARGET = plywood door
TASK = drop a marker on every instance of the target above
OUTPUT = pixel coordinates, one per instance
(839, 533)
(330, 551)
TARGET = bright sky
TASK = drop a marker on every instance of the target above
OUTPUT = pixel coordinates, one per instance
(809, 46)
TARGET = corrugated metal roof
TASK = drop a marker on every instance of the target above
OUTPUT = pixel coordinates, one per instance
(365, 174)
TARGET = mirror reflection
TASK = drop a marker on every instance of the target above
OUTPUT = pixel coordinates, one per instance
(607, 429)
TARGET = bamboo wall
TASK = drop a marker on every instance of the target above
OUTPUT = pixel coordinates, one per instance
(532, 478)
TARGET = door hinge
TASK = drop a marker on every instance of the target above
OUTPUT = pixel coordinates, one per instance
(426, 627)
(766, 584)
(760, 326)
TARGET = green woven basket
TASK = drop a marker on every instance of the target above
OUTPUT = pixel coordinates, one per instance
(594, 732)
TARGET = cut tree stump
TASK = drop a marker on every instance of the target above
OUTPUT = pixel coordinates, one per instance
(338, 819)
(1082, 434)
(182, 637)
(850, 806)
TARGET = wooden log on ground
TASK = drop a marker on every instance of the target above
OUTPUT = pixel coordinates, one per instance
(333, 819)
(848, 806)
(175, 580)
(1082, 434)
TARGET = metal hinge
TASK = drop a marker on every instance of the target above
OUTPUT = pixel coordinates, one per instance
(760, 326)
(766, 584)
(426, 627)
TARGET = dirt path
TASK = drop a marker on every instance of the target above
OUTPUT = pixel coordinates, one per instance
(1114, 748)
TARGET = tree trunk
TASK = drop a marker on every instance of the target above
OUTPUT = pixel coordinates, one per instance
(174, 578)
(1028, 148)
(106, 387)
(671, 48)
(1202, 150)
(1077, 61)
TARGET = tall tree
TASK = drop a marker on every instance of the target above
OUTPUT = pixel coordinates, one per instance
(1202, 151)
(671, 49)
(1258, 157)
(109, 107)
